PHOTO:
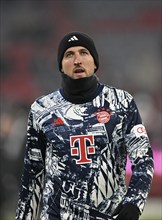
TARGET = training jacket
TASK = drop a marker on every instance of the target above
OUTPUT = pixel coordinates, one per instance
(76, 157)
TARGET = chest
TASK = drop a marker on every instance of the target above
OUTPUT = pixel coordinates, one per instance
(61, 123)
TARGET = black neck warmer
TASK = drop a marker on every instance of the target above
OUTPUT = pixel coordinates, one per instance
(80, 90)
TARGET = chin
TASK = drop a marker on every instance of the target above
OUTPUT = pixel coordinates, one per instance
(79, 76)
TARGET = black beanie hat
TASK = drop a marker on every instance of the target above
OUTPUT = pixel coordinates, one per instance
(77, 39)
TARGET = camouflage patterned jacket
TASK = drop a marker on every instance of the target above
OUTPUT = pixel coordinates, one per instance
(76, 157)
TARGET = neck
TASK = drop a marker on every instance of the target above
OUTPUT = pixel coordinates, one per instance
(79, 90)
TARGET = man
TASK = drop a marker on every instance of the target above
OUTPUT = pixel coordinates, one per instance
(78, 140)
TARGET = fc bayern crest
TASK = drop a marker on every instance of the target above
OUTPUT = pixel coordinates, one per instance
(103, 117)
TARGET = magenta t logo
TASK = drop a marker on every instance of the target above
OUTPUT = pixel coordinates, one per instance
(82, 150)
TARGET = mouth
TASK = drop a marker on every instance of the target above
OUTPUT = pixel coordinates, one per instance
(79, 71)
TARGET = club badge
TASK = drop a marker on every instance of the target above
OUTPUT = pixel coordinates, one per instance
(103, 115)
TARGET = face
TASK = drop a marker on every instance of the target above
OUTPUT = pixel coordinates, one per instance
(77, 62)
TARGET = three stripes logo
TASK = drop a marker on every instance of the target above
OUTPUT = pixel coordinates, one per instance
(73, 38)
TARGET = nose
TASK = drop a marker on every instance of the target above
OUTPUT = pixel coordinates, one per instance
(77, 60)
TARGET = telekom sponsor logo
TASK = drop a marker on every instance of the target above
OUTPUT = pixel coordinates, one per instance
(82, 150)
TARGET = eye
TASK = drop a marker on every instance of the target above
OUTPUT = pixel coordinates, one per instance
(84, 52)
(68, 54)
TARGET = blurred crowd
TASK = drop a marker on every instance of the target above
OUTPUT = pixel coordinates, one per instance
(128, 38)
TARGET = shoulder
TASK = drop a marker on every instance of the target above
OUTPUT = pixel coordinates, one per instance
(45, 102)
(117, 95)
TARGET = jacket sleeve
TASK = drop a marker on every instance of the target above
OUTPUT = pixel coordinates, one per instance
(33, 173)
(141, 157)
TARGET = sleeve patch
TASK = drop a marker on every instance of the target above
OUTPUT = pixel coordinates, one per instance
(139, 130)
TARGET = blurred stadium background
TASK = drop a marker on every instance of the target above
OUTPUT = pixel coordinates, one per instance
(128, 39)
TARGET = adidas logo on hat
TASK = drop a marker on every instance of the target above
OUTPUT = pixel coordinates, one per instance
(73, 38)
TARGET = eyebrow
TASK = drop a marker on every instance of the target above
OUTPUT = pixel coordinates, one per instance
(80, 50)
(84, 49)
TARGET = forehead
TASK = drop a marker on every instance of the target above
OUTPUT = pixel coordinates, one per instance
(76, 48)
